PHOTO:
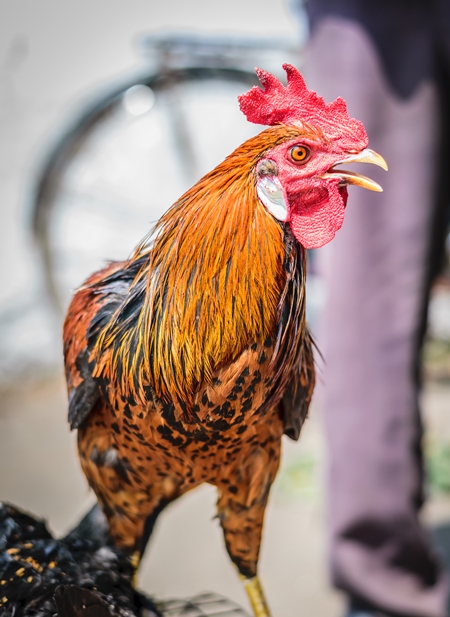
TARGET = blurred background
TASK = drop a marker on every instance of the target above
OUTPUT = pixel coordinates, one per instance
(131, 158)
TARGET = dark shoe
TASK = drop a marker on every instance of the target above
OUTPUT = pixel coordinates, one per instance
(356, 609)
(363, 612)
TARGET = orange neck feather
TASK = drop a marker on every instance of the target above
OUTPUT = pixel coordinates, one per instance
(214, 277)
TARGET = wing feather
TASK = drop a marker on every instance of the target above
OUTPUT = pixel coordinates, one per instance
(297, 396)
(91, 310)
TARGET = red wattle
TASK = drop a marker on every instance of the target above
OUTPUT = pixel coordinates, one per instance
(314, 222)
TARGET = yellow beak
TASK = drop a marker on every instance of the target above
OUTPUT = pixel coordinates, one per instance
(350, 177)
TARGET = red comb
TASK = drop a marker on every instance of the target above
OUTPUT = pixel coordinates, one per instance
(294, 103)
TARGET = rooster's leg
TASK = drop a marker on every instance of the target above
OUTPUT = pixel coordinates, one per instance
(242, 527)
(129, 501)
(256, 596)
(132, 533)
(241, 506)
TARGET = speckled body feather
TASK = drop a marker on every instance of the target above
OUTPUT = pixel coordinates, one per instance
(187, 363)
(76, 576)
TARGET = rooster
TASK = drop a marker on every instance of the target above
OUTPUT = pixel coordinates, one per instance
(75, 576)
(186, 363)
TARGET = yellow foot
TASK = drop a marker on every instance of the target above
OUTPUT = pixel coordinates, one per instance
(256, 596)
(135, 559)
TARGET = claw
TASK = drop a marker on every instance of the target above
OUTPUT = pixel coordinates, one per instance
(135, 560)
(256, 596)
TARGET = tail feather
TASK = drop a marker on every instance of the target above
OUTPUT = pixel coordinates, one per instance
(81, 575)
(74, 601)
(93, 527)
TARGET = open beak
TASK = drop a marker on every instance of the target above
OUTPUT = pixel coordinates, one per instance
(350, 177)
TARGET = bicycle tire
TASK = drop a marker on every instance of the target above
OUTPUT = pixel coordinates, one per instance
(44, 196)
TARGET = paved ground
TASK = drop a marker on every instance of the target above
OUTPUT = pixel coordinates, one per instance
(39, 471)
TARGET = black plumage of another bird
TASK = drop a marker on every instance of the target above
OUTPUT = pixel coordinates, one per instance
(80, 575)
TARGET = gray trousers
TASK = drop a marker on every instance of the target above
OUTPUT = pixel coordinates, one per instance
(384, 59)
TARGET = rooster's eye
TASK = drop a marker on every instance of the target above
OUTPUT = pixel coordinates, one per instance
(300, 154)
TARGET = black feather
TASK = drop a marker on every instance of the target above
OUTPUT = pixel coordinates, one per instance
(76, 576)
(297, 396)
(115, 288)
(84, 396)
(73, 601)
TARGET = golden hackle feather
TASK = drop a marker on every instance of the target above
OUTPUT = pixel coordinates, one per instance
(209, 284)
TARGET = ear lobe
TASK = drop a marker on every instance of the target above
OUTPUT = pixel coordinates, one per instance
(271, 194)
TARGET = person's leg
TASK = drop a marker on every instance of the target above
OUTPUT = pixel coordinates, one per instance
(376, 271)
